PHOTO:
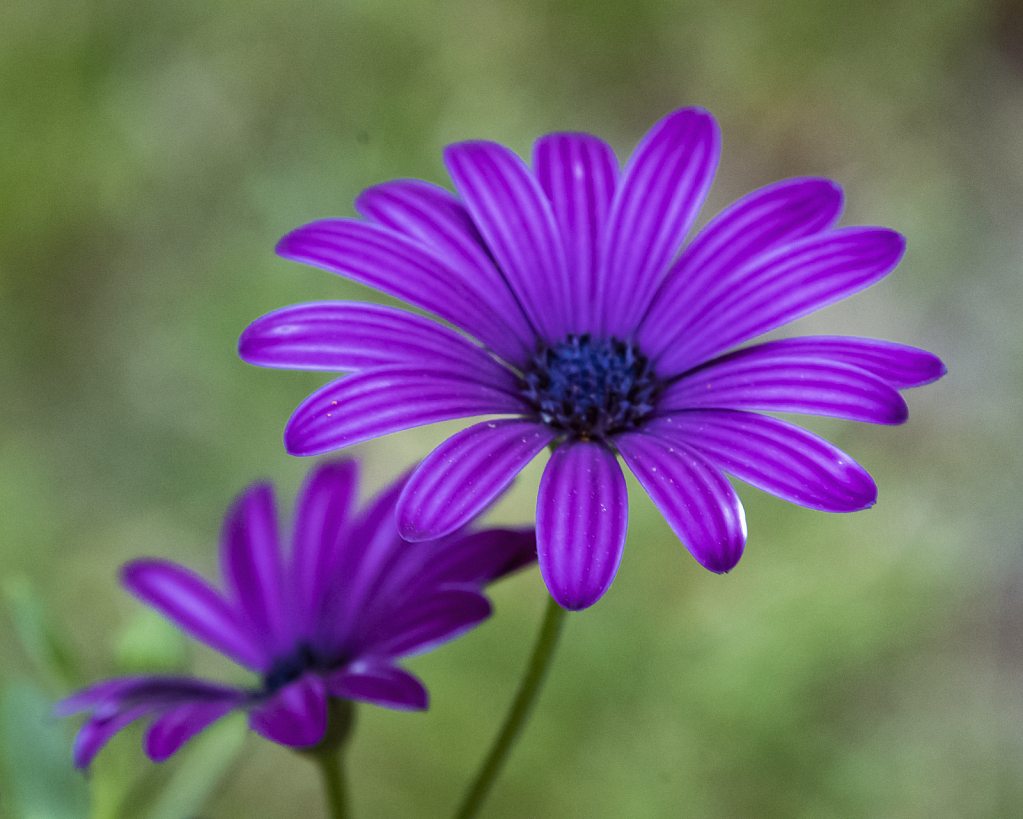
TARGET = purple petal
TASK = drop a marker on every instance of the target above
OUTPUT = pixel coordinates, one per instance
(582, 513)
(422, 624)
(777, 380)
(433, 216)
(368, 405)
(578, 173)
(364, 558)
(343, 336)
(899, 365)
(97, 732)
(173, 729)
(296, 715)
(184, 598)
(379, 684)
(515, 218)
(465, 473)
(250, 562)
(402, 267)
(118, 702)
(777, 288)
(763, 220)
(322, 518)
(480, 557)
(695, 498)
(153, 692)
(662, 187)
(772, 455)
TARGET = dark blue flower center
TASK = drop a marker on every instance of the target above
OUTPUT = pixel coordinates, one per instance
(290, 667)
(590, 388)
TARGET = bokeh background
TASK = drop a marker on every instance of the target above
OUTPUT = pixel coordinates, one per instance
(151, 154)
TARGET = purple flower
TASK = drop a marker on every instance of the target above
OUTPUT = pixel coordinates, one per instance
(601, 333)
(329, 622)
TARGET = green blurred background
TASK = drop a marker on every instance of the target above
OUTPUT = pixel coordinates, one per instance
(151, 154)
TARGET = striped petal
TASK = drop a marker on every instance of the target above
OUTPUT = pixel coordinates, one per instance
(185, 598)
(578, 173)
(172, 730)
(899, 365)
(695, 498)
(433, 216)
(380, 684)
(345, 336)
(368, 405)
(515, 219)
(772, 455)
(251, 564)
(662, 187)
(582, 514)
(759, 222)
(424, 623)
(772, 380)
(404, 268)
(296, 715)
(323, 515)
(779, 287)
(465, 474)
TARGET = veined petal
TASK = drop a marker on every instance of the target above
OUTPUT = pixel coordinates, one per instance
(662, 187)
(899, 365)
(390, 262)
(322, 518)
(771, 380)
(482, 557)
(695, 498)
(779, 287)
(154, 692)
(423, 623)
(772, 455)
(380, 684)
(582, 514)
(345, 336)
(368, 553)
(296, 715)
(97, 732)
(368, 405)
(185, 598)
(117, 703)
(515, 219)
(435, 217)
(578, 172)
(465, 473)
(765, 219)
(251, 564)
(172, 730)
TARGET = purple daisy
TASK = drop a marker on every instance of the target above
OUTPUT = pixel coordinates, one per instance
(328, 623)
(600, 333)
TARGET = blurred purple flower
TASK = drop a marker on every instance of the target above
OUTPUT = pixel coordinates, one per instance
(330, 622)
(601, 335)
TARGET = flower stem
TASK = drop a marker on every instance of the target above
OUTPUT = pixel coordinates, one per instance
(529, 688)
(333, 782)
(328, 754)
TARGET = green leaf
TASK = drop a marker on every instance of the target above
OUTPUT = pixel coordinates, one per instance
(47, 649)
(36, 755)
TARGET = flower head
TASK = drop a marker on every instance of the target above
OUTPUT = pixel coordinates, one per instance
(330, 620)
(601, 333)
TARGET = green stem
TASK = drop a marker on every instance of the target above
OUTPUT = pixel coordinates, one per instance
(529, 688)
(328, 754)
(333, 782)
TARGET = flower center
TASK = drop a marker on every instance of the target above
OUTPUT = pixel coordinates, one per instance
(590, 388)
(289, 668)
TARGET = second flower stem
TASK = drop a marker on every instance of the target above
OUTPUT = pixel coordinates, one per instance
(529, 688)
